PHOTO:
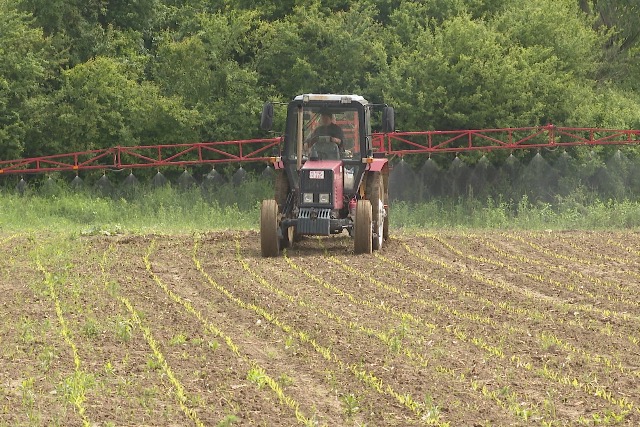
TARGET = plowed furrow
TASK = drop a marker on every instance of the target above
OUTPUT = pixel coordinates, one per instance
(349, 360)
(481, 344)
(254, 373)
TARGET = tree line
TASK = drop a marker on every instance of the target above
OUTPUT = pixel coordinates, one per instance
(86, 74)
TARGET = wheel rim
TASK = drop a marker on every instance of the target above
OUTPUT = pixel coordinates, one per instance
(379, 213)
(379, 237)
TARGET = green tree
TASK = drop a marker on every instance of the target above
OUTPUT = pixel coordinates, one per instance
(557, 26)
(199, 63)
(272, 11)
(313, 51)
(465, 75)
(139, 15)
(402, 15)
(79, 27)
(23, 67)
(621, 20)
(620, 16)
(560, 31)
(102, 104)
(533, 63)
(79, 74)
(74, 25)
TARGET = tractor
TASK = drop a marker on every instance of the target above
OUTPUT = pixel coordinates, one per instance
(327, 182)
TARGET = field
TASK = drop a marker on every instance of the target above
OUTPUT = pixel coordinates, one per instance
(454, 328)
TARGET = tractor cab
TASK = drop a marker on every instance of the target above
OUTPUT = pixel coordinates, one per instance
(304, 117)
(326, 169)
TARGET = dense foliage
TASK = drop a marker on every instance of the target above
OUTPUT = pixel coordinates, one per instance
(88, 74)
(78, 74)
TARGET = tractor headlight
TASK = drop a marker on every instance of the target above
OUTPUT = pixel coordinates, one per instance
(324, 198)
(307, 197)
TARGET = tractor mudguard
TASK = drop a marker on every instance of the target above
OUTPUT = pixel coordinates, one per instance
(277, 163)
(376, 165)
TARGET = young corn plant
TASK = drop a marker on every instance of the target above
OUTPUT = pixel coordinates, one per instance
(123, 329)
(363, 375)
(430, 411)
(178, 339)
(46, 357)
(350, 404)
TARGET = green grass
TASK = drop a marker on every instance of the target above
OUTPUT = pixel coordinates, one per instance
(565, 214)
(171, 210)
(165, 210)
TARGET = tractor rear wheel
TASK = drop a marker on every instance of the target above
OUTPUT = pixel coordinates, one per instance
(375, 193)
(282, 189)
(362, 233)
(269, 241)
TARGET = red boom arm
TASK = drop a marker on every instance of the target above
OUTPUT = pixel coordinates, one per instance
(457, 141)
(146, 156)
(252, 150)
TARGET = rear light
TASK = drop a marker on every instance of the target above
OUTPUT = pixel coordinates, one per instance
(307, 198)
(324, 198)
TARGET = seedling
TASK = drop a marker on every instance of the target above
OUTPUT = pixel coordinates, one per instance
(152, 363)
(257, 377)
(178, 339)
(46, 357)
(27, 330)
(90, 328)
(124, 329)
(228, 421)
(350, 403)
(285, 380)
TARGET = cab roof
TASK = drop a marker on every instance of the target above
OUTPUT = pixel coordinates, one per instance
(331, 97)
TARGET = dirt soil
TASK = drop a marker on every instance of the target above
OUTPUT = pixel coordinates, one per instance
(438, 328)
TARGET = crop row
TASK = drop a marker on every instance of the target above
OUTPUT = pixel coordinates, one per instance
(567, 306)
(506, 399)
(435, 329)
(256, 372)
(366, 377)
(606, 330)
(476, 340)
(550, 339)
(545, 370)
(75, 386)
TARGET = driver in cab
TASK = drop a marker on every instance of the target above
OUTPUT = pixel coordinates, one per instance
(327, 128)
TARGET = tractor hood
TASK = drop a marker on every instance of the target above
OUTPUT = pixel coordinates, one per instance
(323, 176)
(334, 165)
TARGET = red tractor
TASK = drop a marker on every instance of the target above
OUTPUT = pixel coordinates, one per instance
(328, 178)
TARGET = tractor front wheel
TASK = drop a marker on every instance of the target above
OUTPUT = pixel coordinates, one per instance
(269, 241)
(363, 231)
